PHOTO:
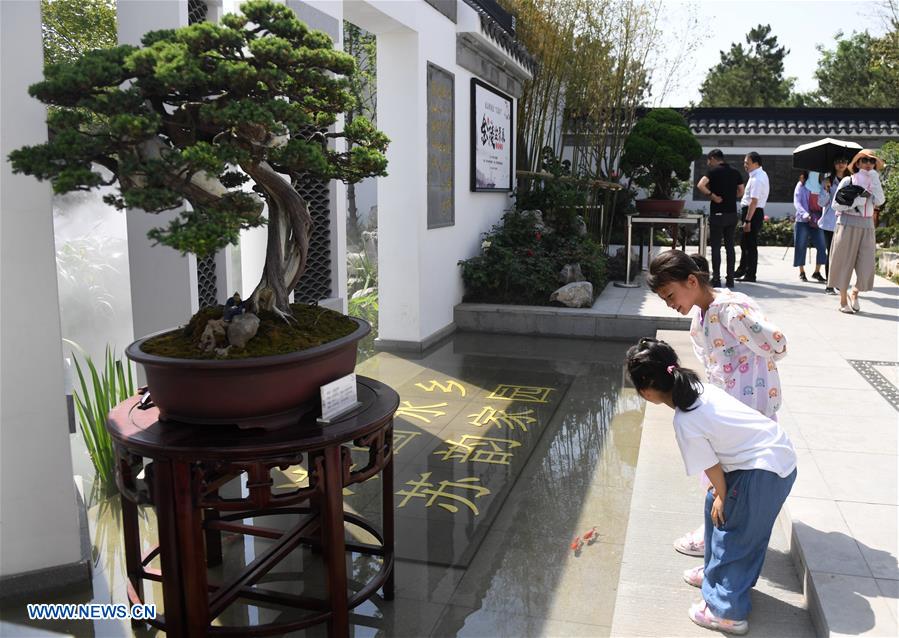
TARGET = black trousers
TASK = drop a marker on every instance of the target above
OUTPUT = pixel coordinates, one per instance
(716, 234)
(828, 239)
(749, 243)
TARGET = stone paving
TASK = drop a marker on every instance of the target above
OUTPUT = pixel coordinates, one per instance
(841, 518)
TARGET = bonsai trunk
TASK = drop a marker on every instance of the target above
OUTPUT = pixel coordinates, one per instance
(289, 228)
(353, 233)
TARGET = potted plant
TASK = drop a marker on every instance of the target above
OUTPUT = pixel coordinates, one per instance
(657, 156)
(215, 120)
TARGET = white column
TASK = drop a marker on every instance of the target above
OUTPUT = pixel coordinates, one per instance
(163, 282)
(402, 195)
(39, 527)
(327, 16)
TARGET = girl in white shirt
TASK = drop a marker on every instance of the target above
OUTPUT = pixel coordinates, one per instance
(731, 336)
(751, 464)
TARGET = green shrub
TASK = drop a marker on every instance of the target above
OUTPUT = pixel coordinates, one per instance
(887, 236)
(889, 212)
(775, 232)
(520, 263)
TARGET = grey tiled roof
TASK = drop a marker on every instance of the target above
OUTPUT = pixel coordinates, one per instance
(503, 38)
(794, 121)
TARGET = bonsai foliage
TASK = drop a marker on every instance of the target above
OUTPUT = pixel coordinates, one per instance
(658, 152)
(198, 115)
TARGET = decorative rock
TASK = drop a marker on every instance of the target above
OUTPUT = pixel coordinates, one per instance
(540, 225)
(214, 330)
(571, 273)
(581, 225)
(574, 295)
(242, 328)
(370, 245)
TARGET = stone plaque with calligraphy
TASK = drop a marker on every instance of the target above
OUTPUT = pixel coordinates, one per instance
(441, 147)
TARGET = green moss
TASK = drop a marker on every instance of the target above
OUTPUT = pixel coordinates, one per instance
(314, 326)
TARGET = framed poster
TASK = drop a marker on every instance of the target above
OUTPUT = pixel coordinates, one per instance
(441, 147)
(491, 138)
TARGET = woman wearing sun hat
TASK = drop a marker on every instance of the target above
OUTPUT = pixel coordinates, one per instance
(853, 243)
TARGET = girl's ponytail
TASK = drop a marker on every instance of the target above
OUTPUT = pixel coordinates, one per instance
(653, 364)
(686, 388)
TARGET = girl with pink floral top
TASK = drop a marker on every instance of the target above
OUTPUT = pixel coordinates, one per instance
(732, 338)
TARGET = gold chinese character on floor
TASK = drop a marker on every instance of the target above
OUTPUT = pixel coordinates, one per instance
(479, 449)
(447, 387)
(423, 489)
(401, 438)
(417, 412)
(491, 416)
(525, 393)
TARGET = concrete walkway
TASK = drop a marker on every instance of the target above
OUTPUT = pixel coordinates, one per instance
(840, 522)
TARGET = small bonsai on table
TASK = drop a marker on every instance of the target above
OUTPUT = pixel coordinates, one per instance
(213, 120)
(658, 153)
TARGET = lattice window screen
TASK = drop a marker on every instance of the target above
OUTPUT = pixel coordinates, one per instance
(316, 282)
(196, 11)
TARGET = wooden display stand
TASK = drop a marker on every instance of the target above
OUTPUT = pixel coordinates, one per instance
(185, 465)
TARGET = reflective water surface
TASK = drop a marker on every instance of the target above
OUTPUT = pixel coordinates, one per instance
(506, 449)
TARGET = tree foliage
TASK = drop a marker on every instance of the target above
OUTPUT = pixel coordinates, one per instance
(889, 214)
(73, 27)
(362, 45)
(658, 152)
(749, 76)
(592, 64)
(853, 75)
(197, 112)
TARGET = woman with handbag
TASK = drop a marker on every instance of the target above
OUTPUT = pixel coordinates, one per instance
(805, 227)
(828, 221)
(853, 244)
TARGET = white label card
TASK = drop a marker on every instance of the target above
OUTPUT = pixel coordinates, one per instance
(338, 396)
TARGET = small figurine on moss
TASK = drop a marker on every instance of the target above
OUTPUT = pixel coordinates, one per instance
(234, 306)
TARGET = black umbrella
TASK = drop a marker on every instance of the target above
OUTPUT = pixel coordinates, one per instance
(819, 156)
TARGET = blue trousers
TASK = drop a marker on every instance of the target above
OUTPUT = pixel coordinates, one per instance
(801, 234)
(735, 552)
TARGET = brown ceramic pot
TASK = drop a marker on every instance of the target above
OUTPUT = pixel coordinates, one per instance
(255, 392)
(660, 207)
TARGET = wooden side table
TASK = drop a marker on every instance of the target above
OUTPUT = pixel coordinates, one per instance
(185, 465)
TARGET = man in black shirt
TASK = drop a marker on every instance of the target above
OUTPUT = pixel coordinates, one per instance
(724, 186)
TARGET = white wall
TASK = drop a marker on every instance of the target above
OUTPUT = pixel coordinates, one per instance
(163, 282)
(38, 516)
(419, 279)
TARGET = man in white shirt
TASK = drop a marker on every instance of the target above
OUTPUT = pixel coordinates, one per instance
(755, 196)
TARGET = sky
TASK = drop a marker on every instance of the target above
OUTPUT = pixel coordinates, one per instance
(798, 24)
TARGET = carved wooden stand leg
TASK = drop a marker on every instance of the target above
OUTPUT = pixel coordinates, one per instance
(334, 548)
(191, 550)
(388, 523)
(130, 531)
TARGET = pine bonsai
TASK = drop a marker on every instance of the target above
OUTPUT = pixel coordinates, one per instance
(198, 114)
(658, 152)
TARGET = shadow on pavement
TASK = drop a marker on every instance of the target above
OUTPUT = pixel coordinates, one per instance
(849, 594)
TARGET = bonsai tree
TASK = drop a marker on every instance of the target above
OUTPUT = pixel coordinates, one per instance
(658, 152)
(197, 115)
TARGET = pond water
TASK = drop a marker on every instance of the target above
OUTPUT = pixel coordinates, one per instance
(506, 448)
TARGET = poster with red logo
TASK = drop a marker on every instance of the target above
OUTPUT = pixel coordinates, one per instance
(491, 138)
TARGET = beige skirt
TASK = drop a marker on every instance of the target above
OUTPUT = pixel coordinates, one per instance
(852, 249)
